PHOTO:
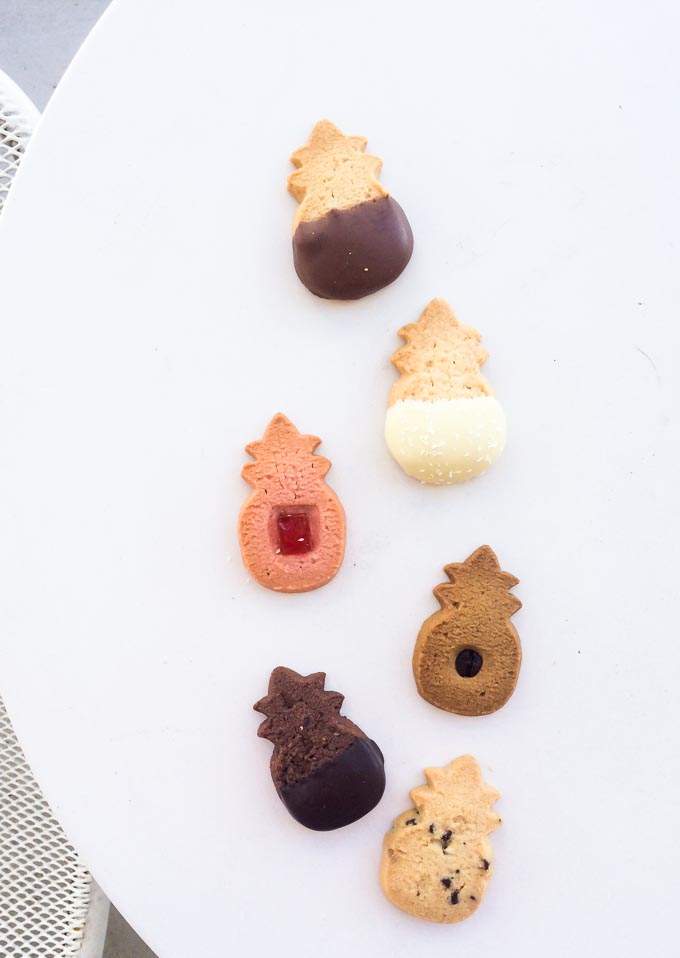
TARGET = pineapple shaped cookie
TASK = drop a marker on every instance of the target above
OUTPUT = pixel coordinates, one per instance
(326, 771)
(437, 860)
(443, 424)
(350, 237)
(468, 655)
(292, 526)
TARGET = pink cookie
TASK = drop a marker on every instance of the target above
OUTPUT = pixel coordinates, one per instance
(292, 526)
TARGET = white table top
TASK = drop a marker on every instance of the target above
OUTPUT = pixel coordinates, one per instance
(152, 324)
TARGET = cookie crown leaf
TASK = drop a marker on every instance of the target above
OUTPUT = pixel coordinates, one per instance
(273, 452)
(290, 699)
(328, 142)
(457, 793)
(466, 577)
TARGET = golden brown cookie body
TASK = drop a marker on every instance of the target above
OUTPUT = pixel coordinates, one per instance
(350, 237)
(437, 860)
(468, 655)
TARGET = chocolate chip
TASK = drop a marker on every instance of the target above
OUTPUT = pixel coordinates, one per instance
(454, 897)
(468, 663)
(485, 864)
(431, 829)
(410, 821)
(472, 898)
(446, 882)
(446, 839)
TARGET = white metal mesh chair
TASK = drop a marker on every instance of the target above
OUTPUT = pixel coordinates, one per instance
(18, 118)
(46, 893)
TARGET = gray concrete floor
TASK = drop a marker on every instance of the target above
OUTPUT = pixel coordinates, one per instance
(121, 940)
(38, 39)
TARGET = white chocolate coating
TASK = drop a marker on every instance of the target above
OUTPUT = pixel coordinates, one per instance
(448, 440)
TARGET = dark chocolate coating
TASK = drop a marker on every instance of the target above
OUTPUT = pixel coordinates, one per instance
(350, 253)
(342, 790)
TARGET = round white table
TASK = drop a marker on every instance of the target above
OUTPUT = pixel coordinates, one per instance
(152, 324)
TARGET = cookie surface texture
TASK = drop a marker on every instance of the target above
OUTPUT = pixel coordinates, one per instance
(437, 860)
(292, 526)
(443, 423)
(326, 771)
(350, 237)
(468, 655)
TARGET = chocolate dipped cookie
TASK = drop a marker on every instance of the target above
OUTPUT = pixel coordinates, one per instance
(350, 237)
(443, 423)
(326, 771)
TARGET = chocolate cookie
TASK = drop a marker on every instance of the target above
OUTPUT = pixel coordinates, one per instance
(350, 237)
(327, 772)
(443, 423)
(468, 655)
(292, 526)
(437, 860)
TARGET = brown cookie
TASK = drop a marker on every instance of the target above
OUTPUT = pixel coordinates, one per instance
(326, 771)
(437, 860)
(350, 237)
(468, 655)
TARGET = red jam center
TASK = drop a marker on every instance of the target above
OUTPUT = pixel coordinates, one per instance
(295, 536)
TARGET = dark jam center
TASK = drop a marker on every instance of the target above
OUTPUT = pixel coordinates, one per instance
(295, 535)
(468, 663)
